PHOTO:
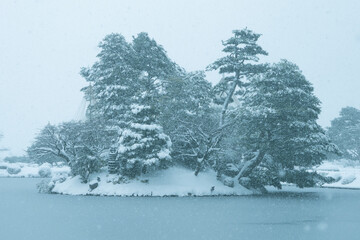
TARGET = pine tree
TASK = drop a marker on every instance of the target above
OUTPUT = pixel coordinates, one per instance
(345, 133)
(279, 130)
(113, 80)
(237, 67)
(143, 146)
(156, 67)
(126, 86)
(242, 53)
(152, 58)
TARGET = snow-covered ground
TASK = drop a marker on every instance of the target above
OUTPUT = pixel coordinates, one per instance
(171, 182)
(182, 182)
(346, 172)
(32, 170)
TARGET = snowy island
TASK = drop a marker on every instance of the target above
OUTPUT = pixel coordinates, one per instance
(182, 182)
(174, 181)
(170, 182)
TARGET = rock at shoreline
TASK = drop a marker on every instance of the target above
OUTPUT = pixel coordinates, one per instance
(93, 185)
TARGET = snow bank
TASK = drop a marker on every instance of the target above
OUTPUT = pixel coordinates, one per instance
(178, 181)
(32, 170)
(346, 172)
(171, 182)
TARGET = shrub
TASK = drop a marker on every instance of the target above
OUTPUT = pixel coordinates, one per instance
(13, 170)
(45, 186)
(45, 172)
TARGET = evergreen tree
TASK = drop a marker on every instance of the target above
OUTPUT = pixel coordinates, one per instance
(188, 118)
(113, 80)
(156, 68)
(279, 130)
(126, 86)
(345, 132)
(237, 67)
(152, 58)
(242, 53)
(143, 146)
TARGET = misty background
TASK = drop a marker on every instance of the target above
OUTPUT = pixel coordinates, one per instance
(45, 43)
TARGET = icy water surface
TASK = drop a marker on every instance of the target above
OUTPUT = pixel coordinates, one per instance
(313, 214)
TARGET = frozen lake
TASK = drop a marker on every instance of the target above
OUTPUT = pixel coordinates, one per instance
(313, 214)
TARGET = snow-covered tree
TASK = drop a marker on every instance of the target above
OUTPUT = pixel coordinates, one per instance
(126, 84)
(279, 130)
(143, 146)
(113, 81)
(90, 148)
(188, 118)
(82, 145)
(242, 54)
(156, 69)
(345, 132)
(239, 64)
(152, 57)
(49, 146)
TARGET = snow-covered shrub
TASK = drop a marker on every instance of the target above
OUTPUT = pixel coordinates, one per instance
(59, 164)
(45, 186)
(231, 170)
(84, 165)
(228, 181)
(45, 172)
(348, 180)
(65, 170)
(118, 180)
(59, 177)
(13, 170)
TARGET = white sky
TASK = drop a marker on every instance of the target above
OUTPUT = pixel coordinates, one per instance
(43, 45)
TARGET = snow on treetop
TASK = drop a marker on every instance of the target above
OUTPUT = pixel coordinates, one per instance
(136, 108)
(145, 126)
(164, 154)
(129, 133)
(151, 161)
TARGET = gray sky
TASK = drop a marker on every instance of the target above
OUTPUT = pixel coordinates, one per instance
(43, 45)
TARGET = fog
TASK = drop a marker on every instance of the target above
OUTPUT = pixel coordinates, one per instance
(45, 43)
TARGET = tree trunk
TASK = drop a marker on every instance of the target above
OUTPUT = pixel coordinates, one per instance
(229, 97)
(250, 165)
(198, 168)
(226, 103)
